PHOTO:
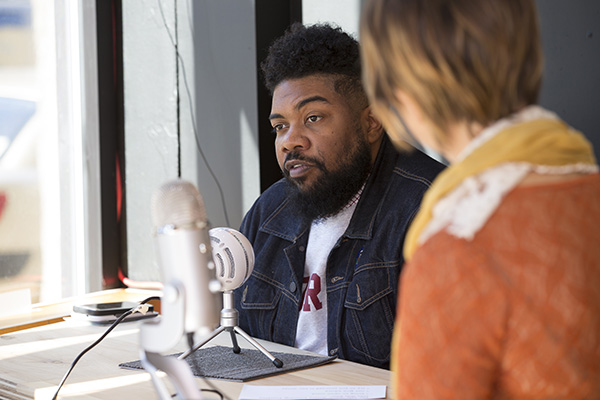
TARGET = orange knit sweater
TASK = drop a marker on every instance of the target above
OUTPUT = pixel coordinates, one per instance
(512, 314)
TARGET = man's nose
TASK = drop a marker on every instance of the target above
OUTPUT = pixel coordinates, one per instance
(294, 139)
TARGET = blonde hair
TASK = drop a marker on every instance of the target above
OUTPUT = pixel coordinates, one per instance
(460, 60)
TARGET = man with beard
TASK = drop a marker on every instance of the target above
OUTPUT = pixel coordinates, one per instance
(328, 236)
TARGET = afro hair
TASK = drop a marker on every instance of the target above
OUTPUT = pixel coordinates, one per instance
(315, 49)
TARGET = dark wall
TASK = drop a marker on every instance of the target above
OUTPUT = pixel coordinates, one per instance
(273, 17)
(571, 41)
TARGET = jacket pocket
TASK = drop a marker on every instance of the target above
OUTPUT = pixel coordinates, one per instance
(259, 295)
(259, 308)
(369, 312)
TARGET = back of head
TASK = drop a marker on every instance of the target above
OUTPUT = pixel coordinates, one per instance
(460, 60)
(319, 49)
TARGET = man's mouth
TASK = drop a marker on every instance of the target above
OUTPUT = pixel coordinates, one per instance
(297, 168)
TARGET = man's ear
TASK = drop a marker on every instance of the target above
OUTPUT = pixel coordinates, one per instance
(373, 126)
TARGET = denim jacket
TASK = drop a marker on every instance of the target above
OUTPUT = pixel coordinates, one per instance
(362, 269)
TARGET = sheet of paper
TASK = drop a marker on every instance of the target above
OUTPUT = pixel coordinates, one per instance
(256, 392)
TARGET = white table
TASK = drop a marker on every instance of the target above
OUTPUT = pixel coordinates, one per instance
(33, 361)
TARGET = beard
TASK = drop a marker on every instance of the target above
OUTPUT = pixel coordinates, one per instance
(333, 189)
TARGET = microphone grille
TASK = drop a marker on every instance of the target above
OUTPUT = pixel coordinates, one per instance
(177, 203)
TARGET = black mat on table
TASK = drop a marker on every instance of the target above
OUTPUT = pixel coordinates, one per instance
(220, 362)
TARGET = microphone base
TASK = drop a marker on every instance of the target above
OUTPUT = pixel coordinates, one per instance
(229, 323)
(235, 347)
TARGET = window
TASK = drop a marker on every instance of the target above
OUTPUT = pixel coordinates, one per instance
(49, 191)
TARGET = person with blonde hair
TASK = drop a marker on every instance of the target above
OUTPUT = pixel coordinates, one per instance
(500, 294)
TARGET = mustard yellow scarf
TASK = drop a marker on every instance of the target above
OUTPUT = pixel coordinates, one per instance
(548, 142)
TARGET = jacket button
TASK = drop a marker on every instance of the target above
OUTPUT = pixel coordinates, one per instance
(301, 248)
(292, 287)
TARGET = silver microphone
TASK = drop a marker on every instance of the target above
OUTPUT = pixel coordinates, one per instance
(233, 256)
(184, 252)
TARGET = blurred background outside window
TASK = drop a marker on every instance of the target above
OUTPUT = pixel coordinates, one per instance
(40, 164)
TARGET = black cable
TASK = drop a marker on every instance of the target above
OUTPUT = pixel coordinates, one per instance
(189, 95)
(206, 390)
(110, 328)
(214, 391)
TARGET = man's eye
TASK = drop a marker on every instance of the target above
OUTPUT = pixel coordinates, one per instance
(277, 127)
(313, 118)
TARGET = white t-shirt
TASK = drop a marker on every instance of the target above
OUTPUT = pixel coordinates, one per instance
(311, 333)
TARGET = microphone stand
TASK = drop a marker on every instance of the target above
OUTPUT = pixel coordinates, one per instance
(229, 323)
